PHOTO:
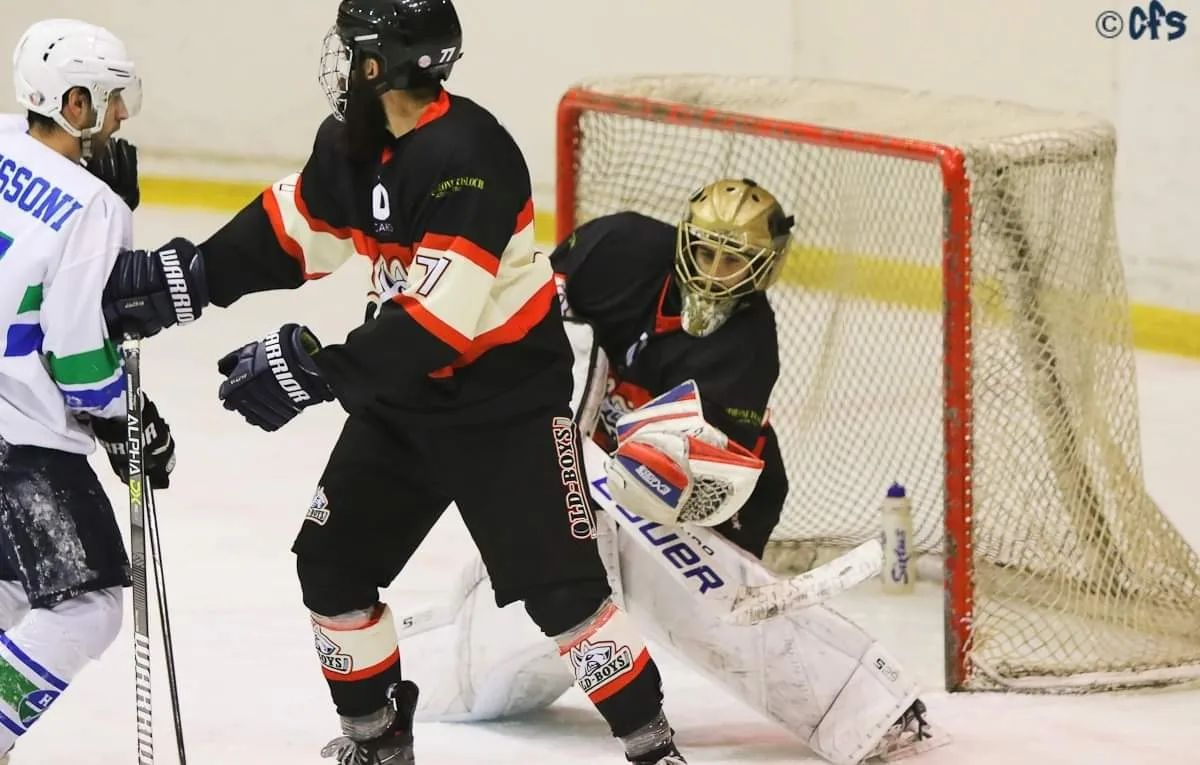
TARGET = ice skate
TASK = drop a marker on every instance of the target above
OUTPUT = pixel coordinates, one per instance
(653, 744)
(668, 755)
(908, 736)
(393, 746)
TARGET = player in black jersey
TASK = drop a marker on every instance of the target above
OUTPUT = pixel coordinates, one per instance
(672, 303)
(457, 385)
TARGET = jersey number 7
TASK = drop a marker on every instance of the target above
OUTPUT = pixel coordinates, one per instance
(434, 268)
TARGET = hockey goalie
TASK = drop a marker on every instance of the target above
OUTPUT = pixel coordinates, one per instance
(768, 641)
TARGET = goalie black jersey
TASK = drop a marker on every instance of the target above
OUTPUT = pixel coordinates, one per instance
(462, 322)
(617, 272)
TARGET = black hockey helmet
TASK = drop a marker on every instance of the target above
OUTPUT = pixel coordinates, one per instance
(416, 43)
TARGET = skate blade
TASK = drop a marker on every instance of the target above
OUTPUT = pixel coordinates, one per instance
(937, 738)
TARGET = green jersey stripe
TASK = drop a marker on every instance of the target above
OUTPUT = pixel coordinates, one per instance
(14, 686)
(85, 368)
(32, 300)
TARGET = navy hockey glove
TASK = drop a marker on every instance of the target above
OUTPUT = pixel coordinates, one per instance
(270, 381)
(150, 291)
(159, 451)
(117, 165)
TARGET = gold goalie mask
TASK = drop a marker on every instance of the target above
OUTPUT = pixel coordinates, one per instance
(732, 242)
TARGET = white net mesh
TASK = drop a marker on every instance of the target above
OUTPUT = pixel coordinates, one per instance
(1079, 581)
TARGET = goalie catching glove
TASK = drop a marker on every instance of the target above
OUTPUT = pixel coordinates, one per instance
(671, 466)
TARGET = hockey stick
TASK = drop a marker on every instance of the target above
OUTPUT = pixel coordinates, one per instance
(423, 620)
(164, 619)
(131, 353)
(755, 603)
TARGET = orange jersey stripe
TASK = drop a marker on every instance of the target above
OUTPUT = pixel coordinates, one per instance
(529, 316)
(465, 247)
(286, 242)
(432, 324)
(363, 243)
(616, 686)
(525, 217)
(435, 110)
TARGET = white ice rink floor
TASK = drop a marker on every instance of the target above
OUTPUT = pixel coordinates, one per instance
(251, 689)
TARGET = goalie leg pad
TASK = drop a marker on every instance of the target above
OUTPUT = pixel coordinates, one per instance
(813, 672)
(483, 662)
(359, 658)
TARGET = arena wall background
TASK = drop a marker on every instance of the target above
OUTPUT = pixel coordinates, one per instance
(232, 99)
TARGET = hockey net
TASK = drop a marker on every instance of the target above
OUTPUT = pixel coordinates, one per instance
(953, 316)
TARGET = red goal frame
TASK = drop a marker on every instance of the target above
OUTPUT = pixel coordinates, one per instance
(956, 282)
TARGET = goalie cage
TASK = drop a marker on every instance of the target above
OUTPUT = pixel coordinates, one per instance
(953, 316)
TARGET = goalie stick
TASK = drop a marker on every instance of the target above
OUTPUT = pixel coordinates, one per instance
(709, 565)
(756, 603)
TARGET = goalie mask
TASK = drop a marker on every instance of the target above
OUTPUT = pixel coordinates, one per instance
(731, 243)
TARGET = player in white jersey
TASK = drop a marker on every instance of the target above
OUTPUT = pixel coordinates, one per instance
(62, 560)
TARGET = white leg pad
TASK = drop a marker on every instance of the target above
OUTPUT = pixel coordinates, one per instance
(484, 662)
(814, 672)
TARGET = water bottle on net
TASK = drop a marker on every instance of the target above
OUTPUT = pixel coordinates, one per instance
(899, 573)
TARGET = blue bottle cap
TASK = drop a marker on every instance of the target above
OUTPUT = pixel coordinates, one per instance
(896, 491)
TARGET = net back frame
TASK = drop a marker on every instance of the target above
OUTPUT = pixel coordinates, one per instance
(957, 549)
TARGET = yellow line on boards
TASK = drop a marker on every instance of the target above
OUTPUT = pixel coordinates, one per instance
(1155, 328)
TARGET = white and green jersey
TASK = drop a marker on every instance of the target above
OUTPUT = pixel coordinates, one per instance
(60, 231)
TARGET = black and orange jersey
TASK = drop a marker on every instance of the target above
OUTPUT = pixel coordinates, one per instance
(617, 272)
(462, 324)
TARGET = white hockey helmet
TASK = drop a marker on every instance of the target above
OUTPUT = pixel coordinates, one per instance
(56, 55)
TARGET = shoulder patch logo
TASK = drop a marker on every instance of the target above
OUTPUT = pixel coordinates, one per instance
(318, 511)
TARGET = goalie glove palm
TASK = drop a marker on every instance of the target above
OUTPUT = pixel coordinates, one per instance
(675, 478)
(272, 380)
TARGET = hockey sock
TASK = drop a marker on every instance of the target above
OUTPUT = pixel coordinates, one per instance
(360, 658)
(46, 651)
(614, 668)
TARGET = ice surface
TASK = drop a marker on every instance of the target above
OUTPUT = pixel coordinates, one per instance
(251, 689)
